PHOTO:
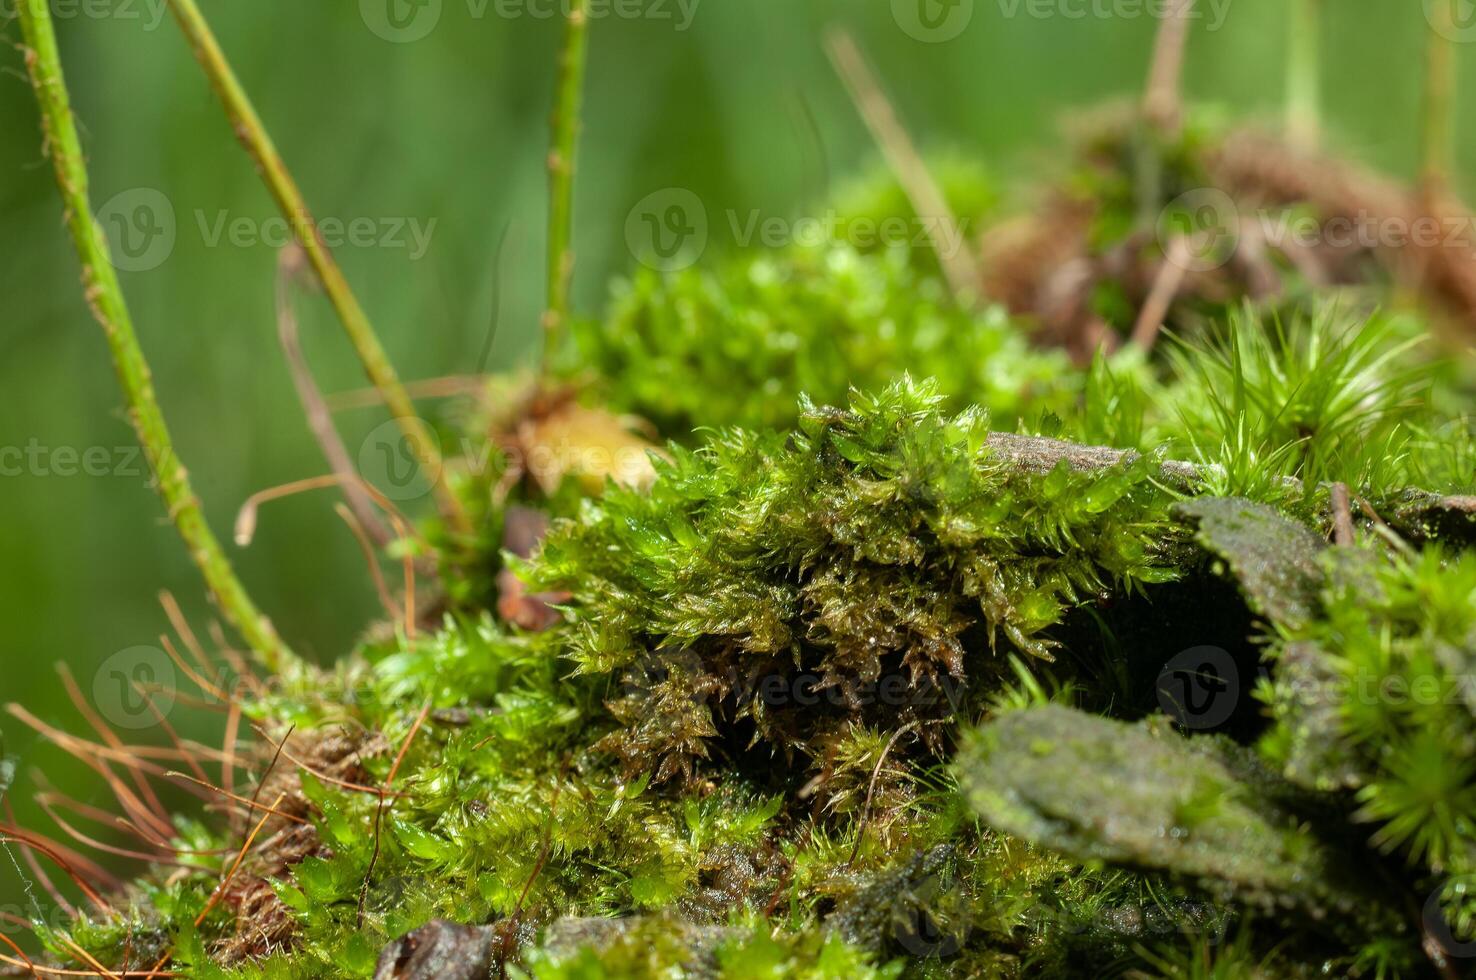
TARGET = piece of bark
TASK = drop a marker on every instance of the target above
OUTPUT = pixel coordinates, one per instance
(1417, 514)
(1272, 557)
(1202, 809)
(440, 950)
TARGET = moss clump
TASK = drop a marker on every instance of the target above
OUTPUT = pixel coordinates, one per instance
(865, 567)
(857, 689)
(738, 345)
(1373, 696)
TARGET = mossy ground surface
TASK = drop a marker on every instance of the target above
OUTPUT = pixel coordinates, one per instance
(875, 670)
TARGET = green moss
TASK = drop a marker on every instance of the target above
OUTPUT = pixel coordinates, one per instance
(738, 345)
(1379, 684)
(868, 566)
(733, 755)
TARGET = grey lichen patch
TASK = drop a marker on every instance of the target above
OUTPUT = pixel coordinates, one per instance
(1271, 556)
(1308, 702)
(1143, 797)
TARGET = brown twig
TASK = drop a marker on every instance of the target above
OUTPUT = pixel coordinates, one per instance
(200, 680)
(247, 802)
(108, 819)
(547, 847)
(271, 766)
(1166, 286)
(371, 559)
(871, 787)
(220, 889)
(289, 198)
(18, 951)
(245, 530)
(42, 878)
(929, 204)
(89, 959)
(380, 809)
(110, 738)
(219, 892)
(1163, 102)
(451, 386)
(228, 747)
(318, 773)
(91, 754)
(86, 840)
(52, 971)
(1342, 508)
(26, 839)
(319, 416)
(1382, 529)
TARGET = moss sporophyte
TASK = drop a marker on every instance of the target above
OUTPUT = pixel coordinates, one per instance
(1083, 608)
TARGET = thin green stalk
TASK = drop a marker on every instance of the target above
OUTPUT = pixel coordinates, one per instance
(561, 167)
(105, 297)
(1439, 102)
(289, 199)
(1304, 75)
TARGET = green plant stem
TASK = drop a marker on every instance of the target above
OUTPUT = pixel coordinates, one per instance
(1304, 75)
(561, 168)
(258, 143)
(1439, 103)
(105, 297)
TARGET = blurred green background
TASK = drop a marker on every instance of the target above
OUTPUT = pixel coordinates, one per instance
(731, 99)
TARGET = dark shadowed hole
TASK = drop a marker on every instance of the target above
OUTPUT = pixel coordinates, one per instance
(1187, 649)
